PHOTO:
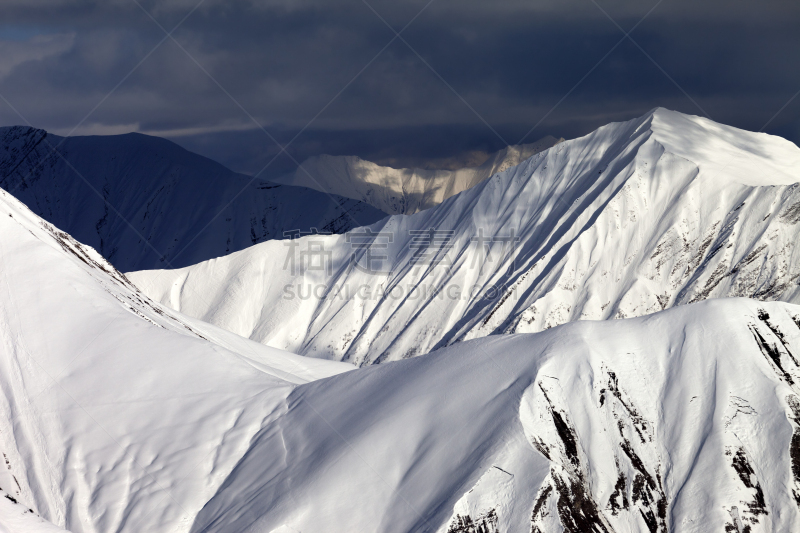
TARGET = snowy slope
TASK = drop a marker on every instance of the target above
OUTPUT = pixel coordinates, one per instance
(117, 414)
(684, 421)
(403, 191)
(182, 208)
(636, 217)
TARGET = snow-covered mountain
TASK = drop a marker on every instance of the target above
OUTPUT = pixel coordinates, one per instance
(685, 421)
(403, 191)
(118, 415)
(637, 217)
(144, 202)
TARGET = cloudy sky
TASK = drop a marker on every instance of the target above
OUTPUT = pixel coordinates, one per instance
(410, 82)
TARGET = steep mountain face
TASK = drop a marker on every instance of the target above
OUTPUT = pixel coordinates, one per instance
(634, 218)
(116, 413)
(403, 191)
(144, 202)
(685, 421)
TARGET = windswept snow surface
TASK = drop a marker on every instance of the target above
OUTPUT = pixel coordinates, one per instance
(117, 414)
(403, 191)
(685, 421)
(144, 202)
(637, 217)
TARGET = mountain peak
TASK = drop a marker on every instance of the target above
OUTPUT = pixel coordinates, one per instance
(724, 152)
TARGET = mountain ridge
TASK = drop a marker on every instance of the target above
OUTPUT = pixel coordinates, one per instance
(680, 231)
(681, 135)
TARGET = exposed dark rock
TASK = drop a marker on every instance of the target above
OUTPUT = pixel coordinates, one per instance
(541, 447)
(619, 498)
(565, 432)
(647, 493)
(794, 447)
(747, 475)
(486, 523)
(764, 317)
(792, 214)
(772, 354)
(749, 258)
(539, 508)
(566, 436)
(577, 510)
(638, 421)
(638, 464)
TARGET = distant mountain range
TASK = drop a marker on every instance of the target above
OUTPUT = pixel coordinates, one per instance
(144, 202)
(403, 191)
(636, 217)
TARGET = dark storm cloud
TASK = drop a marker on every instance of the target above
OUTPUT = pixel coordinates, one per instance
(284, 61)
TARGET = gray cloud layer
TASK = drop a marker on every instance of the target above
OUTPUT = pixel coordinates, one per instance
(284, 61)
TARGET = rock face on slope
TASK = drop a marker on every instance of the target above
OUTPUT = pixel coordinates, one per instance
(403, 191)
(634, 218)
(144, 202)
(687, 420)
